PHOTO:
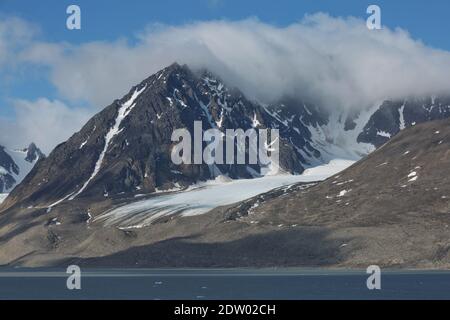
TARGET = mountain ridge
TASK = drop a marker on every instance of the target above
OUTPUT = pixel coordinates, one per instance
(135, 159)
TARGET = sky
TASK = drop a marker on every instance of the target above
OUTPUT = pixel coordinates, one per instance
(53, 79)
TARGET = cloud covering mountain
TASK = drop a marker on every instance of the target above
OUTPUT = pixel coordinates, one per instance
(337, 62)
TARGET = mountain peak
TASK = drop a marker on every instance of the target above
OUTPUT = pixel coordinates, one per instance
(33, 153)
(15, 165)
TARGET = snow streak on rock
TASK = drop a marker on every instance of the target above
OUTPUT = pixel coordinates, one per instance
(123, 112)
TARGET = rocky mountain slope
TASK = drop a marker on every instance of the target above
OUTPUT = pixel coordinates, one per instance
(394, 200)
(15, 165)
(125, 149)
(390, 209)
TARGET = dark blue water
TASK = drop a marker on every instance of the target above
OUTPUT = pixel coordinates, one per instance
(221, 284)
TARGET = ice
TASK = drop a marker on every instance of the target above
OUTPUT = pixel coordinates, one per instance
(24, 166)
(401, 117)
(384, 134)
(343, 193)
(89, 217)
(123, 112)
(55, 221)
(333, 140)
(255, 121)
(219, 123)
(205, 196)
(49, 208)
(3, 197)
(412, 174)
(84, 143)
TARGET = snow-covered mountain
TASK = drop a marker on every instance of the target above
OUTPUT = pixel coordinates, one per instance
(125, 149)
(15, 164)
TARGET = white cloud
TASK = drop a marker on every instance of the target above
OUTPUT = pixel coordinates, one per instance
(335, 61)
(42, 121)
(15, 36)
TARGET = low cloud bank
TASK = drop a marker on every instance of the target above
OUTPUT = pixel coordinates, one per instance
(336, 62)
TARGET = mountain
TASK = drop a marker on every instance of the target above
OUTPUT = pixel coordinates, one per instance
(125, 149)
(15, 165)
(121, 158)
(389, 209)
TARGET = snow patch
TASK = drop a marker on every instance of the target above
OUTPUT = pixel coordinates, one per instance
(383, 134)
(401, 117)
(255, 121)
(343, 193)
(412, 176)
(3, 196)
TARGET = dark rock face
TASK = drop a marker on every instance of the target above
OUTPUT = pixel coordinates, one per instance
(394, 116)
(33, 153)
(7, 168)
(126, 148)
(392, 206)
(136, 156)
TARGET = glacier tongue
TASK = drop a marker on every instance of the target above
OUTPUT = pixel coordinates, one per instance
(208, 195)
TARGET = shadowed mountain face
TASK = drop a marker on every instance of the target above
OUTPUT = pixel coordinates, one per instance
(394, 204)
(394, 116)
(391, 208)
(404, 180)
(125, 149)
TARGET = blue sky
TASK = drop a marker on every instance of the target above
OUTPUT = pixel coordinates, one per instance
(109, 20)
